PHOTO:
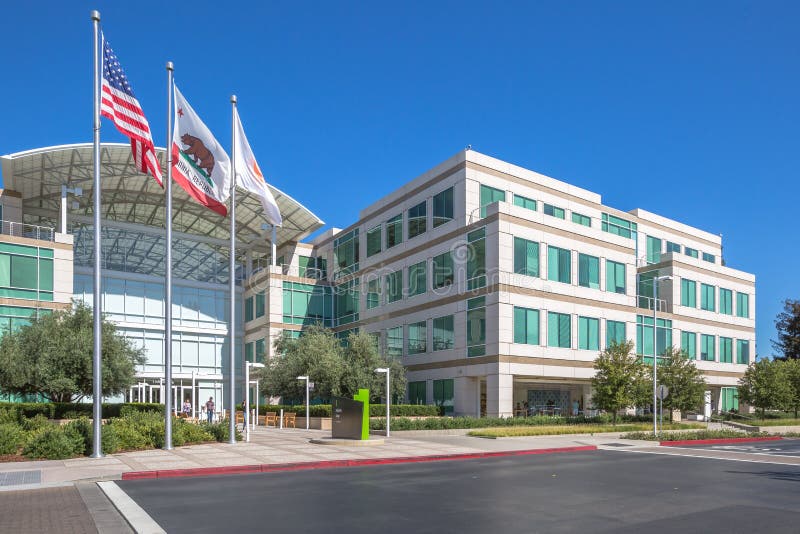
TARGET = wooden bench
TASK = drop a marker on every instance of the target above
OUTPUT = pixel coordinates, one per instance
(271, 418)
(289, 419)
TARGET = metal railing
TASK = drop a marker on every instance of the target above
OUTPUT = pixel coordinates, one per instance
(30, 231)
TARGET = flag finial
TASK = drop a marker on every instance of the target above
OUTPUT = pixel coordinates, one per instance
(95, 15)
(170, 66)
(233, 99)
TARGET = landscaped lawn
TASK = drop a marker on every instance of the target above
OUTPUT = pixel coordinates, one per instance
(510, 432)
(769, 422)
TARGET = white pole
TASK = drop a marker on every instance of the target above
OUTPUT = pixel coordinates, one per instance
(97, 377)
(244, 400)
(194, 398)
(388, 401)
(232, 269)
(258, 400)
(655, 353)
(307, 401)
(168, 275)
(274, 245)
(63, 220)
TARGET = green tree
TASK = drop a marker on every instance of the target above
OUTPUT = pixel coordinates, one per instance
(683, 380)
(792, 370)
(788, 325)
(619, 378)
(52, 357)
(765, 385)
(336, 370)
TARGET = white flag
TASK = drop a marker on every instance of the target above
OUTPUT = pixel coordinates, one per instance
(199, 163)
(249, 177)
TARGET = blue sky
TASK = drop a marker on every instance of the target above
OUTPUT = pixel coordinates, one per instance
(686, 109)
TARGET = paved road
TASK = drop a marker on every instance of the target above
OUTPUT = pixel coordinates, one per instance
(601, 491)
(784, 447)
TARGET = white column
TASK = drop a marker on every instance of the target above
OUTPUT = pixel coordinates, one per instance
(500, 395)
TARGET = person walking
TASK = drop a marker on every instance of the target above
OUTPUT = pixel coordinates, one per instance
(187, 408)
(210, 409)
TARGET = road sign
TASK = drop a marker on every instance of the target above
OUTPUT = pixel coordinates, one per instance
(663, 391)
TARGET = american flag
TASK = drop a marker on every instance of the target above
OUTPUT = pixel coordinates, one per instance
(120, 105)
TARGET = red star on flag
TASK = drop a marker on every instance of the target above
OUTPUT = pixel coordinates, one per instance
(180, 112)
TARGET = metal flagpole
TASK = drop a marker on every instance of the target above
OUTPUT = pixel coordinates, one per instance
(168, 277)
(232, 268)
(97, 377)
(274, 245)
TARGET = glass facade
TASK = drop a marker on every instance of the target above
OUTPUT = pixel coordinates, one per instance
(726, 301)
(15, 317)
(673, 247)
(26, 272)
(583, 220)
(394, 286)
(707, 348)
(688, 293)
(476, 326)
(725, 350)
(644, 335)
(653, 249)
(443, 207)
(691, 252)
(708, 297)
(345, 253)
(346, 302)
(709, 257)
(443, 394)
(307, 304)
(394, 342)
(526, 326)
(742, 351)
(417, 392)
(373, 293)
(417, 278)
(742, 305)
(526, 257)
(443, 333)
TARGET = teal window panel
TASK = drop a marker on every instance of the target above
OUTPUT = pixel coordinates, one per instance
(443, 395)
(559, 330)
(248, 352)
(443, 207)
(374, 241)
(726, 301)
(653, 249)
(692, 253)
(526, 257)
(673, 247)
(707, 348)
(490, 195)
(615, 332)
(588, 333)
(617, 226)
(417, 338)
(708, 297)
(261, 304)
(476, 327)
(248, 309)
(525, 202)
(742, 351)
(394, 286)
(559, 264)
(417, 219)
(588, 271)
(443, 333)
(373, 293)
(553, 211)
(443, 272)
(22, 250)
(583, 220)
(476, 260)
(709, 257)
(615, 277)
(394, 342)
(394, 231)
(688, 293)
(5, 270)
(345, 252)
(45, 275)
(417, 278)
(526, 326)
(689, 344)
(417, 392)
(725, 350)
(24, 272)
(742, 305)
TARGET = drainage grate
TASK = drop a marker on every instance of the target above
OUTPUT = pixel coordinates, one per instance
(16, 478)
(616, 445)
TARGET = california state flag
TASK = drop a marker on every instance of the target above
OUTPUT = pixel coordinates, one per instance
(199, 164)
(248, 174)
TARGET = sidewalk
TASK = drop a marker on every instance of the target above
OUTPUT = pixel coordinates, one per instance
(271, 446)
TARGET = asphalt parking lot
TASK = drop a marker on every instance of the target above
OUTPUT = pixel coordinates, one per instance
(600, 491)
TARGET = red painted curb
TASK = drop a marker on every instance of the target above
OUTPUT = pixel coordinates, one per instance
(326, 464)
(716, 441)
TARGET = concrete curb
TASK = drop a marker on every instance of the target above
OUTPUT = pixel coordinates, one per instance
(299, 466)
(718, 441)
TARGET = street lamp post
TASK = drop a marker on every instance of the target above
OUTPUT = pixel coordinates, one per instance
(388, 394)
(305, 377)
(656, 280)
(245, 403)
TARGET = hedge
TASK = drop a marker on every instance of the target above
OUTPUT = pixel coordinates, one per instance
(448, 423)
(375, 410)
(74, 410)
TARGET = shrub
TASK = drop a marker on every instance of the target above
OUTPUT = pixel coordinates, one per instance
(53, 443)
(10, 415)
(82, 427)
(12, 437)
(35, 423)
(700, 434)
(127, 437)
(220, 430)
(183, 433)
(135, 407)
(31, 409)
